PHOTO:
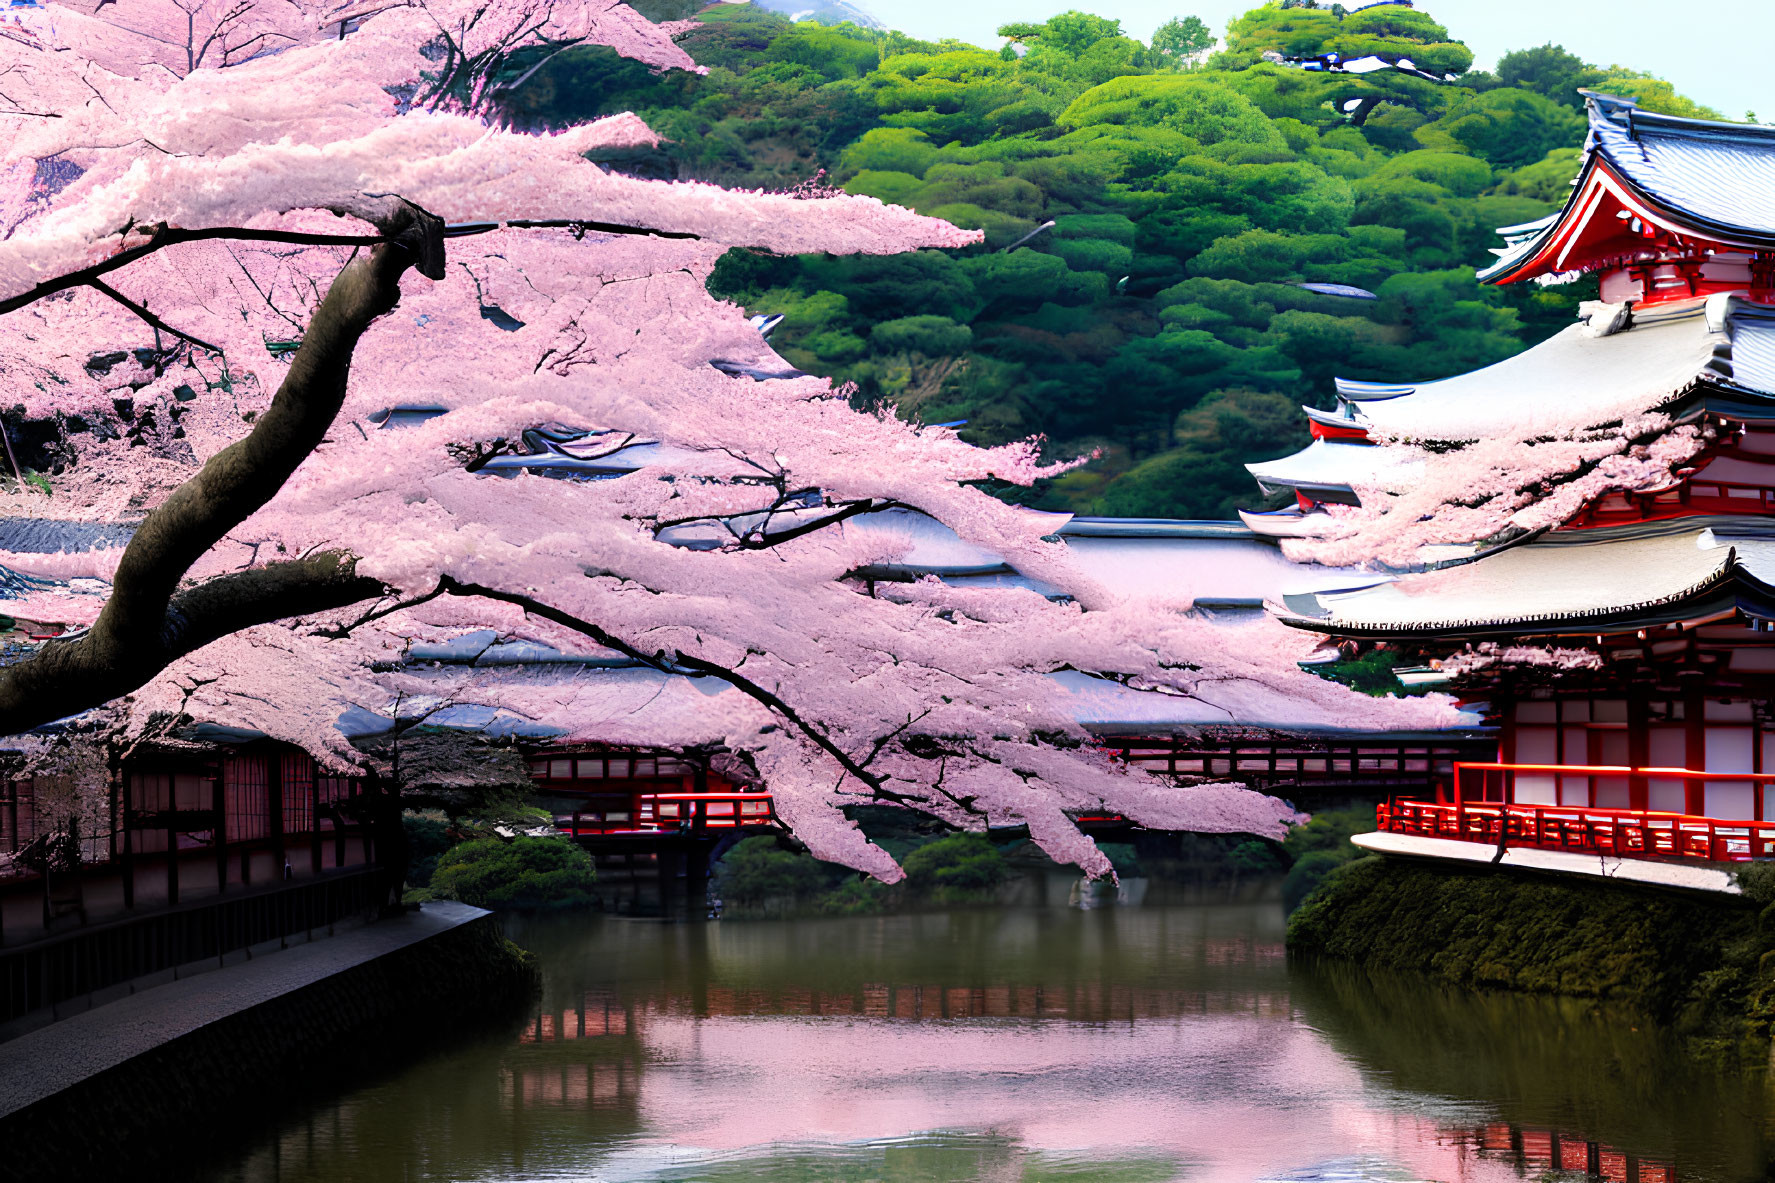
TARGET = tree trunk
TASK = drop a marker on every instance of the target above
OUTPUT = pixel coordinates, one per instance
(148, 623)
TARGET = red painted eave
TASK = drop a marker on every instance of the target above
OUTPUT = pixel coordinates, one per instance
(1592, 235)
(1355, 433)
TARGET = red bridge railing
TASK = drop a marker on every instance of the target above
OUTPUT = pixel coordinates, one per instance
(1620, 833)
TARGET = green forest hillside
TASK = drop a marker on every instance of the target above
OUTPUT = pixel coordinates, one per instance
(1168, 201)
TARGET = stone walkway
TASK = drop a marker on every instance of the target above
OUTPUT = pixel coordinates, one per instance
(1696, 877)
(43, 1062)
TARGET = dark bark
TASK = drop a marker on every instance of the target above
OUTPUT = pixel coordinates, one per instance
(148, 623)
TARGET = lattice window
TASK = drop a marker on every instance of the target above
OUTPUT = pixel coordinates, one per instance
(18, 815)
(149, 792)
(298, 793)
(246, 798)
(332, 791)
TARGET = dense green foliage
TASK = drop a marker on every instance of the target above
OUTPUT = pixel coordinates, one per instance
(766, 875)
(1321, 847)
(1704, 960)
(760, 870)
(1370, 673)
(1156, 317)
(957, 869)
(428, 837)
(515, 873)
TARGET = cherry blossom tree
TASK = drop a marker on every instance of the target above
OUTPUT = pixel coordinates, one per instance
(228, 258)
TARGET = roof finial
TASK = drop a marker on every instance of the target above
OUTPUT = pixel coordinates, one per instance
(1618, 108)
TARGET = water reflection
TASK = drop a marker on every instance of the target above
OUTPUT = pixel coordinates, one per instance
(1582, 1087)
(1041, 1044)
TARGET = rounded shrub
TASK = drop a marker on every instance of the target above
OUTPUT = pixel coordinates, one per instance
(954, 869)
(758, 870)
(522, 873)
(1307, 873)
(428, 837)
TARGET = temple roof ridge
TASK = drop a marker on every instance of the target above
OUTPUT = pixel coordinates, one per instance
(1572, 380)
(1359, 390)
(1326, 466)
(1624, 111)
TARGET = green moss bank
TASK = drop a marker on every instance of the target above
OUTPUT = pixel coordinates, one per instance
(1704, 964)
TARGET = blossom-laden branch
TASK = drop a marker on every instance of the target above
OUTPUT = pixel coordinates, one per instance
(953, 698)
(682, 663)
(161, 237)
(147, 624)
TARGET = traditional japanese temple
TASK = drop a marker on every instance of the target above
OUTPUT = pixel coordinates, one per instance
(1624, 653)
(1616, 661)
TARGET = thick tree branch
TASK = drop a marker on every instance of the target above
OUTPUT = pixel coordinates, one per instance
(145, 626)
(66, 677)
(148, 623)
(215, 608)
(242, 477)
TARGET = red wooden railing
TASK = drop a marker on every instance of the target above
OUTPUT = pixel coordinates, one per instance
(1621, 833)
(670, 812)
(1475, 781)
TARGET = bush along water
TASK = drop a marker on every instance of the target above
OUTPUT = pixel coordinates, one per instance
(517, 873)
(957, 869)
(768, 876)
(765, 875)
(1320, 847)
(429, 836)
(1701, 963)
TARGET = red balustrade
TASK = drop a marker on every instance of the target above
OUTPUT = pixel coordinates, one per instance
(1620, 833)
(1587, 783)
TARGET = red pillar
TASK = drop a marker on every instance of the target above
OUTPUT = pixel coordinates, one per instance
(1695, 752)
(1639, 749)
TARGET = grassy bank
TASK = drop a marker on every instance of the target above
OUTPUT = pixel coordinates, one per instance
(1701, 963)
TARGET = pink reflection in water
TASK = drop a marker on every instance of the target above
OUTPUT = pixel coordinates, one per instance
(1233, 1096)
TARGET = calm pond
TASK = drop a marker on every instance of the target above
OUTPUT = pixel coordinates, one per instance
(1124, 1044)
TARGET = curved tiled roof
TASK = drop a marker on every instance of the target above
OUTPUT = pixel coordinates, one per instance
(1705, 177)
(1569, 381)
(1718, 174)
(1748, 360)
(1333, 465)
(1561, 582)
(43, 536)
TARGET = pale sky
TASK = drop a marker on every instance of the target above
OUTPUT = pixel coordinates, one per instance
(1716, 51)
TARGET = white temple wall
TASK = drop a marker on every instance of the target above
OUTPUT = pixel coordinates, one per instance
(1544, 737)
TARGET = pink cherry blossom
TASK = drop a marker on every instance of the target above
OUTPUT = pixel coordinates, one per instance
(768, 638)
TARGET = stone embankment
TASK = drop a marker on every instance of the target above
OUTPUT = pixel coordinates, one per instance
(151, 1085)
